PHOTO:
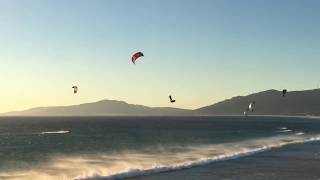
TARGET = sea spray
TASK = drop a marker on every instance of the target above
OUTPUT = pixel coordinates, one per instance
(131, 163)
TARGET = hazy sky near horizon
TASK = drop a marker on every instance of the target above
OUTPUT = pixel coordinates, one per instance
(200, 51)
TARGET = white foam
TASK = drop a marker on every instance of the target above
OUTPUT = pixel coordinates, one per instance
(283, 128)
(299, 133)
(152, 160)
(137, 172)
(284, 131)
(55, 132)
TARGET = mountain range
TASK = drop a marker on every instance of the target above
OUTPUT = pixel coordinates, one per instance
(270, 102)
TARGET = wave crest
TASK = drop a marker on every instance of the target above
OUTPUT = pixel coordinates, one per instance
(55, 132)
(154, 160)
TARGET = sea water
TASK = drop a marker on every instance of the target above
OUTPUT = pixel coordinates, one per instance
(123, 147)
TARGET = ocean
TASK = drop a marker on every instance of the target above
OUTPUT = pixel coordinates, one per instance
(159, 148)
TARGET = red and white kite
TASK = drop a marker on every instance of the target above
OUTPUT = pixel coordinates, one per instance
(136, 56)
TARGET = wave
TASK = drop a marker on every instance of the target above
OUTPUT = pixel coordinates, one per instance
(138, 172)
(55, 132)
(129, 163)
(284, 131)
(299, 133)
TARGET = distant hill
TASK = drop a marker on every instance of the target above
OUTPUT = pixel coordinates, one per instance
(101, 108)
(269, 102)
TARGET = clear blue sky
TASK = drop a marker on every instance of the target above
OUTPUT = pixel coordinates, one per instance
(200, 51)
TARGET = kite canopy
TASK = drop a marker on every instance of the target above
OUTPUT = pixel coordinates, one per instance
(171, 100)
(284, 92)
(75, 89)
(136, 56)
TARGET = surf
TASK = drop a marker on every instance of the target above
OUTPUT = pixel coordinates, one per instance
(285, 131)
(55, 132)
(155, 159)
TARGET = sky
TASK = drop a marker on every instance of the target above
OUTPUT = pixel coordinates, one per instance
(199, 51)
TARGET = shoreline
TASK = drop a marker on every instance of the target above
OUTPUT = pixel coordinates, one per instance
(190, 115)
(159, 171)
(294, 161)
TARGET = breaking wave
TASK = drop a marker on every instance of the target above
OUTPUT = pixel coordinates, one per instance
(55, 132)
(284, 131)
(299, 133)
(129, 163)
